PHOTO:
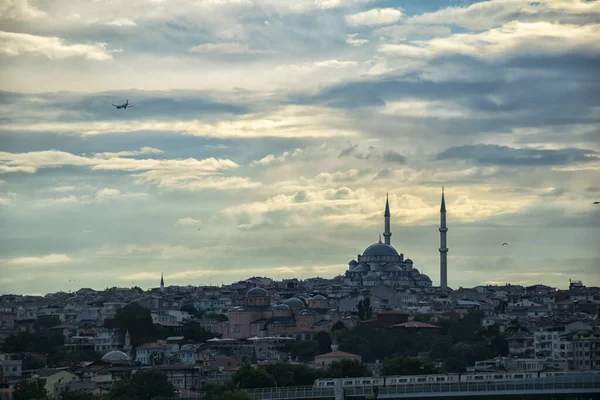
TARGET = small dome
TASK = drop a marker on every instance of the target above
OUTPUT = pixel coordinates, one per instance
(425, 277)
(257, 292)
(360, 268)
(353, 262)
(372, 277)
(294, 302)
(319, 297)
(281, 307)
(408, 261)
(380, 249)
(392, 268)
(114, 356)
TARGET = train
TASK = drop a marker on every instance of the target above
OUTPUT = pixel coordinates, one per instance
(396, 380)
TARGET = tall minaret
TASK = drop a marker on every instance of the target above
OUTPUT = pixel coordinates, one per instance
(162, 283)
(387, 234)
(443, 248)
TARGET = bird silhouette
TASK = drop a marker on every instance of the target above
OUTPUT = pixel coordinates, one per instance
(504, 244)
(597, 202)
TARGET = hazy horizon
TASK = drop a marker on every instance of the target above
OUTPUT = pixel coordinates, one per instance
(265, 135)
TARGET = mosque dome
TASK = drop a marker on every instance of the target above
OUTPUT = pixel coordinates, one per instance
(380, 249)
(353, 262)
(282, 307)
(371, 277)
(360, 268)
(319, 297)
(392, 268)
(115, 356)
(294, 302)
(257, 292)
(425, 277)
(408, 261)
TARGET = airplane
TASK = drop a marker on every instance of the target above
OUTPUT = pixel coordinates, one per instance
(124, 105)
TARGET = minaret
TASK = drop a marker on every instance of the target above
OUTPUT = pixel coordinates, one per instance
(386, 231)
(162, 283)
(443, 248)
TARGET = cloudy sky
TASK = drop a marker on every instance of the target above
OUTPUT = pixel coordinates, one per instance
(266, 133)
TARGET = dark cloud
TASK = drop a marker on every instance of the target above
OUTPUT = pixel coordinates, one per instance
(394, 157)
(352, 151)
(490, 154)
(384, 174)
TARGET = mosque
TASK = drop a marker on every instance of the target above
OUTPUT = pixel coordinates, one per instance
(380, 263)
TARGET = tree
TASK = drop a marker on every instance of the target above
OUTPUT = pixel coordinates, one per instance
(400, 365)
(218, 317)
(324, 341)
(361, 310)
(514, 327)
(247, 377)
(30, 390)
(347, 369)
(143, 385)
(194, 331)
(368, 308)
(79, 395)
(338, 326)
(305, 350)
(137, 320)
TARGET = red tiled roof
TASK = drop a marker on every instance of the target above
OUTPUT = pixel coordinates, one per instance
(414, 324)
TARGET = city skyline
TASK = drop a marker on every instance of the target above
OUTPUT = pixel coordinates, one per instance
(265, 135)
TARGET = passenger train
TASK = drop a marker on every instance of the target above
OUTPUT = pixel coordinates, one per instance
(429, 379)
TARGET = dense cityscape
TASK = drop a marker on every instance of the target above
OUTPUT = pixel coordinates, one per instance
(381, 318)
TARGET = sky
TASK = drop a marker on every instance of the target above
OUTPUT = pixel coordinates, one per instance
(265, 135)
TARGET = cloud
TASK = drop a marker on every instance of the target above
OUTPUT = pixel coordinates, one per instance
(375, 16)
(19, 10)
(489, 14)
(108, 193)
(122, 22)
(188, 221)
(142, 151)
(354, 41)
(335, 64)
(394, 157)
(401, 32)
(489, 154)
(272, 159)
(227, 48)
(511, 40)
(54, 48)
(293, 121)
(43, 260)
(553, 192)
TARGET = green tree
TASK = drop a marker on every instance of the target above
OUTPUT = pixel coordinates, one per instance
(137, 320)
(361, 310)
(234, 395)
(400, 365)
(338, 326)
(194, 331)
(78, 395)
(347, 369)
(30, 390)
(247, 377)
(324, 341)
(368, 308)
(218, 317)
(305, 350)
(143, 385)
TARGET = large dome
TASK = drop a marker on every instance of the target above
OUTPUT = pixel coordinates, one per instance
(380, 249)
(115, 356)
(257, 292)
(294, 302)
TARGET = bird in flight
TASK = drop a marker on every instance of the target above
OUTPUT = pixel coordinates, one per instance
(124, 105)
(505, 244)
(597, 202)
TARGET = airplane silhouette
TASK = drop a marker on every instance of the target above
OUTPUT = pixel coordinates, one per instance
(124, 105)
